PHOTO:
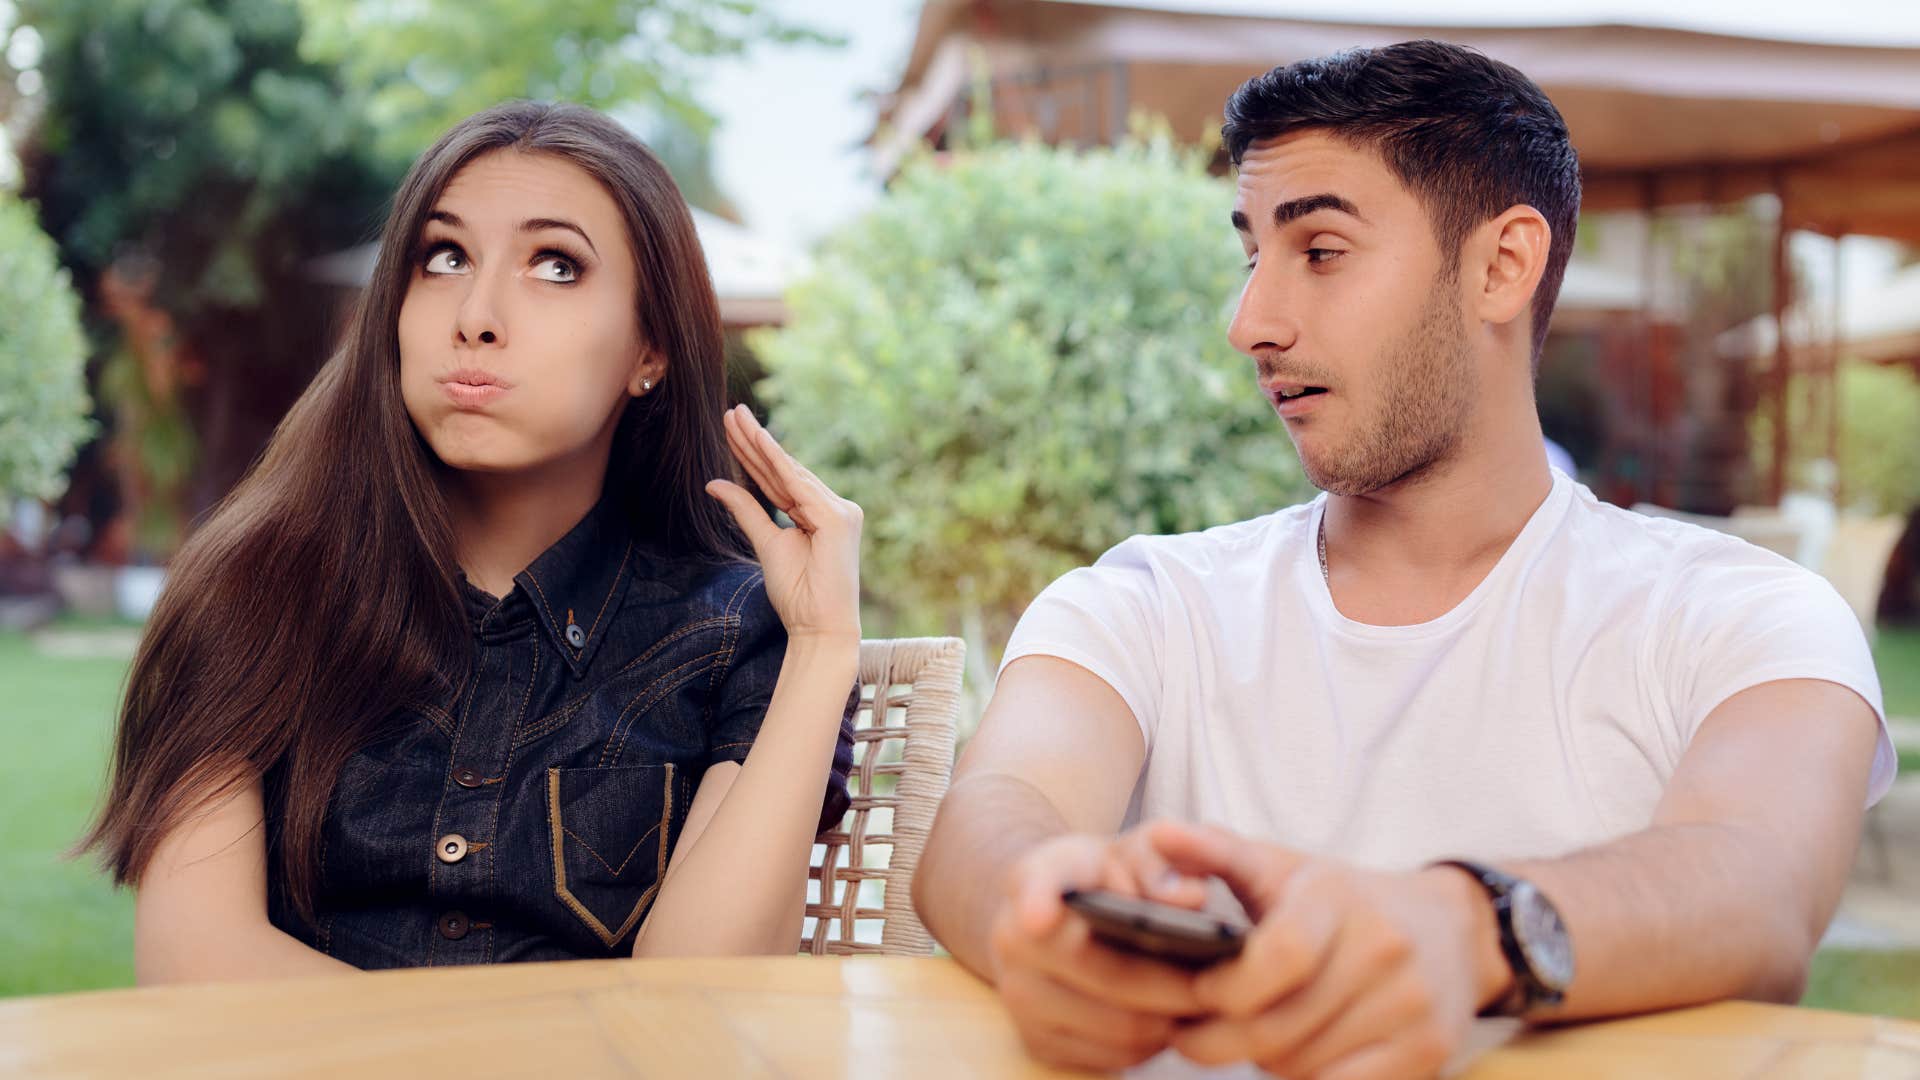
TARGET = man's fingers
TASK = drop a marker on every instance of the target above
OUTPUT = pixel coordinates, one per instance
(1136, 865)
(1255, 872)
(1043, 875)
(1064, 1051)
(1397, 1010)
(1285, 951)
(1072, 956)
(1045, 1003)
(1358, 965)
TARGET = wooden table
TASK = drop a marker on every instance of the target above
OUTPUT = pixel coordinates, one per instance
(802, 1017)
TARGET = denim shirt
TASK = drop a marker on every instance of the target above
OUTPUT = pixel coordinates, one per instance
(530, 814)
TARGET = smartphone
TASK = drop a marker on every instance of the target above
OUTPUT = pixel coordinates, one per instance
(1176, 935)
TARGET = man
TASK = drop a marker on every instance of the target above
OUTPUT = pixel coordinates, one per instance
(1653, 742)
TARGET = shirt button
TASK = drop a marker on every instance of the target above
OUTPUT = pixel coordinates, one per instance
(466, 778)
(454, 925)
(451, 848)
(576, 637)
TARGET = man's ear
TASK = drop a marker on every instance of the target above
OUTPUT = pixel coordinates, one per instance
(648, 370)
(1505, 260)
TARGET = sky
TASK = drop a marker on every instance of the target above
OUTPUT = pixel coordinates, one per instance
(788, 148)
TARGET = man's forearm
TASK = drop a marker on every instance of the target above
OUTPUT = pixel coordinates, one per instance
(986, 823)
(1682, 914)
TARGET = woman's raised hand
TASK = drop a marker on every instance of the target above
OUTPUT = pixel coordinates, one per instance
(813, 569)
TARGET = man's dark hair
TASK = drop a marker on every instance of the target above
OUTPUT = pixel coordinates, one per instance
(1468, 135)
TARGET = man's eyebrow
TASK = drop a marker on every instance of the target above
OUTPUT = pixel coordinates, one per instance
(531, 225)
(538, 224)
(1294, 209)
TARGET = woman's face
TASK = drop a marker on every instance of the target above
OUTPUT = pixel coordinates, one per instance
(519, 338)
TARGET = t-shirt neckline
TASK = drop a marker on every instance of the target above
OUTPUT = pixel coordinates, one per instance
(1531, 537)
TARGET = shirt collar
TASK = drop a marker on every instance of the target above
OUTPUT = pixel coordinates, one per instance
(576, 586)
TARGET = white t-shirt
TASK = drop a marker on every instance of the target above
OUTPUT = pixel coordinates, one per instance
(1543, 714)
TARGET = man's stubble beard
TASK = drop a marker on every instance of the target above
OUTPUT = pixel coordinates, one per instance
(1428, 390)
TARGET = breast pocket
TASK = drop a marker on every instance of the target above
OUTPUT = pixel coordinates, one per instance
(610, 843)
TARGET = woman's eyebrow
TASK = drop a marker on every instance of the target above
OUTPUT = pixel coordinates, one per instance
(531, 225)
(538, 224)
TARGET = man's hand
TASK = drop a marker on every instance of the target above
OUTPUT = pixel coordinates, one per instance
(1347, 974)
(1076, 1002)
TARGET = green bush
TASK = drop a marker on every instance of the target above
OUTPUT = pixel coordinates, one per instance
(1879, 436)
(1019, 358)
(43, 394)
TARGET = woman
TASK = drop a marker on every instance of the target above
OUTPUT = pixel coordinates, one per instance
(475, 666)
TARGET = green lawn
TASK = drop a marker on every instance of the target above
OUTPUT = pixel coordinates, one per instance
(63, 928)
(1896, 653)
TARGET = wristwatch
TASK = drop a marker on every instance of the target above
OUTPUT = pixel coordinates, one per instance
(1532, 937)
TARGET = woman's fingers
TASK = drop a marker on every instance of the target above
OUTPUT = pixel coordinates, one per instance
(753, 519)
(805, 497)
(752, 457)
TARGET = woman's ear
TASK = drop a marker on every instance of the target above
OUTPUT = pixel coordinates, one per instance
(647, 373)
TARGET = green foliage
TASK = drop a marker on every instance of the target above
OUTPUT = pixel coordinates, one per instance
(427, 63)
(43, 353)
(190, 132)
(1879, 436)
(1018, 359)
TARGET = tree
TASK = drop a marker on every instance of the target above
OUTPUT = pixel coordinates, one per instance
(1018, 359)
(189, 163)
(424, 64)
(43, 396)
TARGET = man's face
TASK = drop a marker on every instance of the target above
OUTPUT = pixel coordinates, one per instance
(1349, 299)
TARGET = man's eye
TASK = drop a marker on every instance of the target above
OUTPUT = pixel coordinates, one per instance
(445, 260)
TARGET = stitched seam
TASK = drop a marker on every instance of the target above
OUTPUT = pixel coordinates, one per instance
(618, 577)
(438, 717)
(559, 831)
(728, 641)
(566, 712)
(433, 873)
(645, 700)
(433, 867)
(616, 871)
(551, 619)
(506, 770)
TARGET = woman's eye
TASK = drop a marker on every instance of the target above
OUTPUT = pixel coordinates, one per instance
(446, 260)
(1318, 256)
(556, 268)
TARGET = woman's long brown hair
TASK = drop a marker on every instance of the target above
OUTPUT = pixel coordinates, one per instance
(321, 595)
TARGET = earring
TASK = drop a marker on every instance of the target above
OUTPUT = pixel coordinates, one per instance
(646, 384)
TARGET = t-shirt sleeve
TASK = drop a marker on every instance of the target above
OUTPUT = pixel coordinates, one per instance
(746, 689)
(1105, 618)
(1755, 618)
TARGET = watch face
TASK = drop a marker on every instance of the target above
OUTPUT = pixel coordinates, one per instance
(1541, 936)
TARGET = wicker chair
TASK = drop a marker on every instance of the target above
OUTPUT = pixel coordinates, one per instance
(859, 896)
